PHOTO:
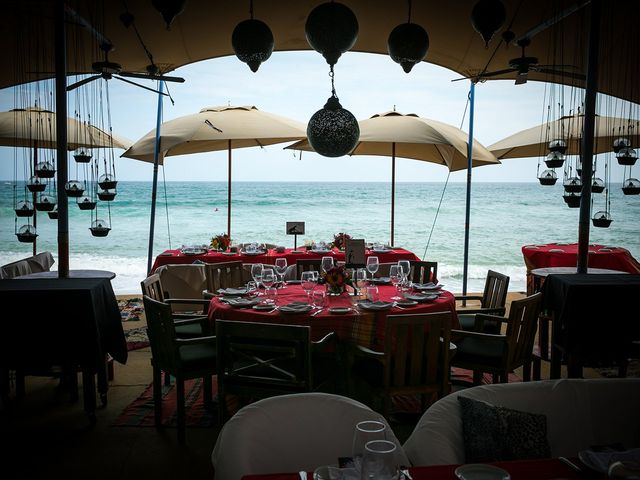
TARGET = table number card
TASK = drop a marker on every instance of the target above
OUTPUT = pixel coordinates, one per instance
(354, 253)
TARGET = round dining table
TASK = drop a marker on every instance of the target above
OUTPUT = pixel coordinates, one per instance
(342, 315)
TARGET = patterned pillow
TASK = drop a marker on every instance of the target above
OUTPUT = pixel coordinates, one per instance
(492, 433)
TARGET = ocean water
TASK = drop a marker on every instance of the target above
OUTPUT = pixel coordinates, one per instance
(504, 217)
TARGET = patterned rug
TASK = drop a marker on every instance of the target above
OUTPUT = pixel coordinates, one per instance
(131, 309)
(136, 338)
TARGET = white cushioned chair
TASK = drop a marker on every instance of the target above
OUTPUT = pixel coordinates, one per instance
(182, 281)
(289, 433)
(580, 413)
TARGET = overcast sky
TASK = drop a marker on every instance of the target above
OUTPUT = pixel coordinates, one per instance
(296, 84)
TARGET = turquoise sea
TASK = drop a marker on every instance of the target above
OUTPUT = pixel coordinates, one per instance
(504, 217)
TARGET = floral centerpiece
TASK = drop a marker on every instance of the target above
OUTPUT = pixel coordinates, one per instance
(336, 279)
(220, 242)
(340, 240)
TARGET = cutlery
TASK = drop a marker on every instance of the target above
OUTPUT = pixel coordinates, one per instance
(303, 475)
(405, 473)
(317, 312)
(570, 464)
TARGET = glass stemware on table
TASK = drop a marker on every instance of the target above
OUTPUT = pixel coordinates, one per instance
(256, 274)
(365, 432)
(268, 279)
(396, 276)
(379, 461)
(326, 264)
(405, 266)
(360, 279)
(281, 269)
(372, 265)
(308, 283)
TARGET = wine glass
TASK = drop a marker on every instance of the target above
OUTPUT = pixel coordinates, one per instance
(281, 269)
(316, 275)
(256, 274)
(361, 278)
(379, 460)
(365, 432)
(306, 279)
(268, 277)
(372, 265)
(326, 263)
(405, 265)
(395, 274)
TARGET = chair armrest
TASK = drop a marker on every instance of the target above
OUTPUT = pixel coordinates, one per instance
(180, 342)
(359, 349)
(490, 311)
(480, 318)
(188, 301)
(189, 321)
(329, 337)
(468, 297)
(459, 334)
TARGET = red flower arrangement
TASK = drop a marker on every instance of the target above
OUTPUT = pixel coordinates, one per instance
(336, 278)
(340, 240)
(220, 242)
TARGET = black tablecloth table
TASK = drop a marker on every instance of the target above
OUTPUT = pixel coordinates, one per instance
(70, 322)
(596, 317)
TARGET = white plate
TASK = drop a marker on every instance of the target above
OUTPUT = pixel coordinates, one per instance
(264, 307)
(254, 253)
(481, 471)
(381, 250)
(406, 303)
(320, 251)
(340, 310)
(193, 251)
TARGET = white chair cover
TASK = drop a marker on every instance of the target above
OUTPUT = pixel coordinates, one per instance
(182, 281)
(41, 262)
(290, 433)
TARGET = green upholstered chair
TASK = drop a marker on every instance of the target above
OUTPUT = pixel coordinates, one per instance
(492, 302)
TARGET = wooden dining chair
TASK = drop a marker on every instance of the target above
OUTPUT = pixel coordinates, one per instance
(492, 302)
(423, 272)
(500, 354)
(414, 360)
(306, 264)
(184, 358)
(223, 275)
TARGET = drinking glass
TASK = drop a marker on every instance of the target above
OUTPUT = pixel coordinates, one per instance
(256, 274)
(268, 277)
(328, 472)
(281, 269)
(316, 275)
(365, 432)
(372, 293)
(270, 295)
(326, 263)
(406, 268)
(396, 277)
(372, 265)
(319, 298)
(252, 287)
(306, 279)
(379, 461)
(361, 278)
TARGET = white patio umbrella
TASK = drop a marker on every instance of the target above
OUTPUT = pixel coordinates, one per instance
(533, 142)
(217, 128)
(410, 136)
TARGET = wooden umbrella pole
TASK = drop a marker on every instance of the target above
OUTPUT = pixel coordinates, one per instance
(393, 189)
(229, 193)
(34, 196)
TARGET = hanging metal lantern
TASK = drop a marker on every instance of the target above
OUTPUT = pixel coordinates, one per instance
(620, 143)
(99, 228)
(74, 188)
(27, 234)
(554, 159)
(35, 185)
(107, 181)
(45, 169)
(106, 195)
(627, 156)
(558, 146)
(598, 185)
(85, 203)
(169, 9)
(331, 29)
(82, 157)
(24, 208)
(602, 219)
(631, 186)
(407, 45)
(252, 42)
(333, 131)
(487, 17)
(572, 185)
(572, 199)
(45, 203)
(548, 177)
(53, 214)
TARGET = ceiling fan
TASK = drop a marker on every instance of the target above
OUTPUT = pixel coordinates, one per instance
(108, 70)
(523, 65)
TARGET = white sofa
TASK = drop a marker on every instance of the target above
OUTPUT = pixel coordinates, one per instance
(580, 413)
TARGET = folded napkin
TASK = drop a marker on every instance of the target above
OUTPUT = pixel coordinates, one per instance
(377, 305)
(427, 286)
(295, 307)
(600, 461)
(421, 297)
(239, 302)
(381, 280)
(232, 291)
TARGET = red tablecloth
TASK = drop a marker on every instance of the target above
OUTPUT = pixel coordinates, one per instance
(175, 256)
(566, 255)
(364, 328)
(519, 470)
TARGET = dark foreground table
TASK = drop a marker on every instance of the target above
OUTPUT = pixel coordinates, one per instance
(70, 322)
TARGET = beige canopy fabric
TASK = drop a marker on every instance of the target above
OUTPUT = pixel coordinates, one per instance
(392, 134)
(36, 127)
(203, 30)
(217, 128)
(533, 142)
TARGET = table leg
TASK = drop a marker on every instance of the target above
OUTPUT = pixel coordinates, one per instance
(89, 394)
(556, 354)
(103, 383)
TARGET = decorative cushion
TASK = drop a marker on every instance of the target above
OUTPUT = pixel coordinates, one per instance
(493, 433)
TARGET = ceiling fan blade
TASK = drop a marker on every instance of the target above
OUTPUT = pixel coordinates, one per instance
(521, 79)
(485, 75)
(138, 85)
(84, 81)
(146, 76)
(561, 73)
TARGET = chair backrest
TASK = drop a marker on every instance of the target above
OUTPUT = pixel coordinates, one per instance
(263, 359)
(424, 272)
(521, 329)
(313, 429)
(223, 275)
(162, 333)
(417, 347)
(495, 290)
(182, 281)
(307, 264)
(152, 287)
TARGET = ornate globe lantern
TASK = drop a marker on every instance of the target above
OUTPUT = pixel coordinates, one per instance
(45, 203)
(602, 219)
(333, 131)
(85, 203)
(548, 177)
(558, 145)
(82, 157)
(252, 41)
(53, 214)
(572, 185)
(572, 199)
(24, 208)
(627, 156)
(598, 185)
(107, 181)
(26, 234)
(106, 195)
(620, 143)
(45, 169)
(487, 17)
(331, 29)
(100, 228)
(554, 159)
(35, 185)
(408, 44)
(74, 188)
(631, 186)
